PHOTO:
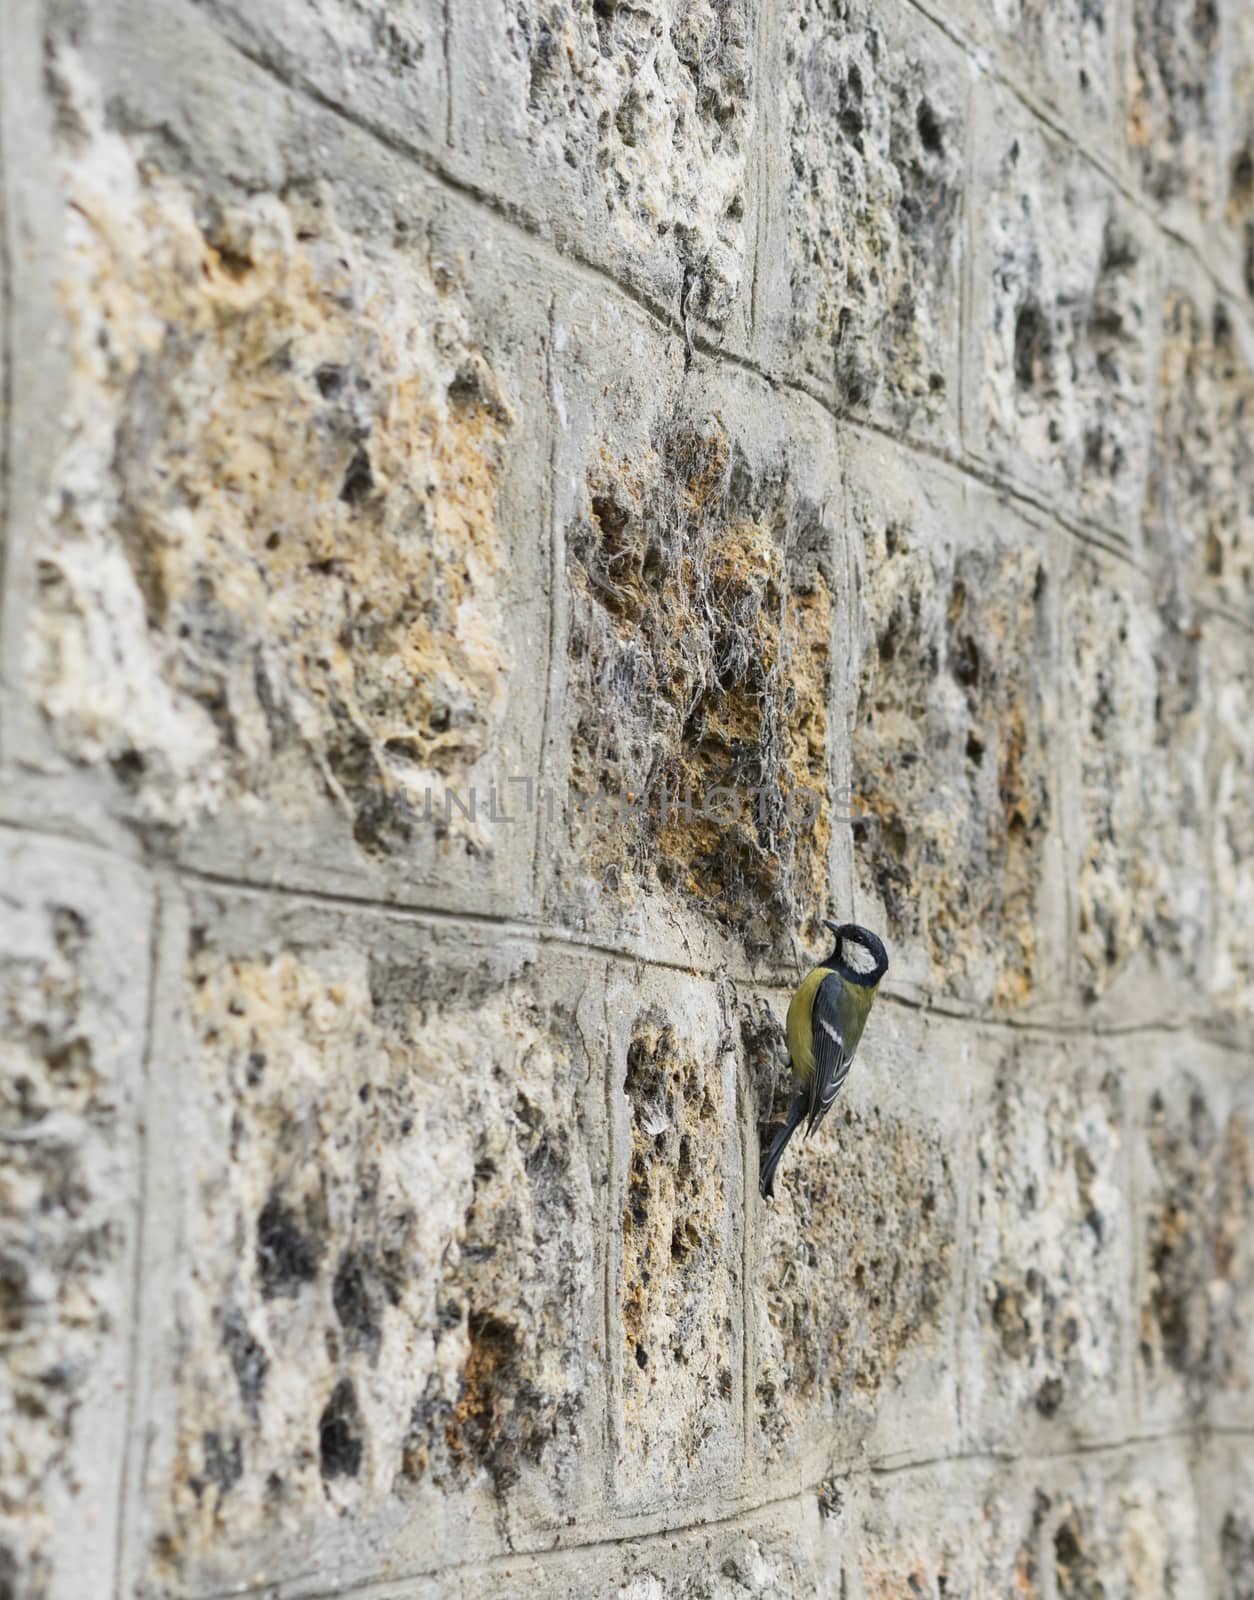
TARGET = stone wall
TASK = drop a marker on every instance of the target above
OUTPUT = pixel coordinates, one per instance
(547, 400)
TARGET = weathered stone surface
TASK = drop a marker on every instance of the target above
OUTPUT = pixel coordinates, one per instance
(1199, 504)
(1195, 1176)
(912, 1534)
(1135, 704)
(857, 1264)
(678, 1261)
(74, 959)
(626, 131)
(1174, 95)
(385, 64)
(1048, 1338)
(1122, 1525)
(1067, 54)
(1228, 677)
(273, 585)
(1239, 210)
(384, 1275)
(1224, 1492)
(1057, 372)
(954, 747)
(874, 113)
(694, 687)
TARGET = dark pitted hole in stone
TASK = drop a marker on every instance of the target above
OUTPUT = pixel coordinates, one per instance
(330, 380)
(339, 1433)
(929, 129)
(1033, 345)
(1049, 1396)
(357, 1299)
(358, 480)
(249, 1361)
(285, 1257)
(224, 1462)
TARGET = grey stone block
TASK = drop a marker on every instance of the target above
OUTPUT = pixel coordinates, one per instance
(74, 963)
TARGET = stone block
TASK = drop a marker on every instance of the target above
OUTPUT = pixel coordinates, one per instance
(1049, 1339)
(694, 688)
(276, 603)
(374, 1296)
(1227, 675)
(955, 742)
(1122, 1524)
(1137, 792)
(1195, 1270)
(860, 285)
(625, 134)
(857, 1264)
(677, 1197)
(1174, 104)
(74, 963)
(1062, 293)
(1199, 504)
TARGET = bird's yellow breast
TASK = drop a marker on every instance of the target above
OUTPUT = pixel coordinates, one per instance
(799, 1025)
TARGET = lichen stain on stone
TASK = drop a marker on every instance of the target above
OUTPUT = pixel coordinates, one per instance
(1201, 1271)
(1199, 515)
(388, 1252)
(653, 106)
(701, 649)
(678, 1287)
(951, 756)
(858, 1254)
(282, 439)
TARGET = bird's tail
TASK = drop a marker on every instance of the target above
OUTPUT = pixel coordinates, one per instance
(796, 1115)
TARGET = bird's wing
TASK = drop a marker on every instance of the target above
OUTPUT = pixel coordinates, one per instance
(831, 1057)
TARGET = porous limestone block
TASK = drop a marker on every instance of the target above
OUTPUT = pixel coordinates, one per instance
(1174, 106)
(1199, 503)
(1227, 672)
(625, 133)
(1194, 1122)
(913, 1532)
(1062, 296)
(955, 739)
(1224, 1493)
(677, 1207)
(382, 64)
(856, 1266)
(278, 601)
(794, 1548)
(373, 1305)
(1239, 150)
(1048, 1334)
(695, 686)
(1120, 1523)
(1136, 782)
(74, 962)
(1066, 55)
(859, 281)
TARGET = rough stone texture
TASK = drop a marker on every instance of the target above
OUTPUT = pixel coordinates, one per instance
(954, 744)
(1195, 1171)
(629, 128)
(1062, 285)
(513, 512)
(874, 114)
(1050, 1329)
(385, 1280)
(73, 991)
(1141, 723)
(853, 1338)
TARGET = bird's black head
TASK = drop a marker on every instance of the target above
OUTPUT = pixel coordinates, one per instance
(851, 933)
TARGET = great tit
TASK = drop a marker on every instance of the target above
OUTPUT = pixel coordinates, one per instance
(825, 1021)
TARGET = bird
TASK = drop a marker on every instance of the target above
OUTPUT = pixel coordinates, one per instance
(826, 1017)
